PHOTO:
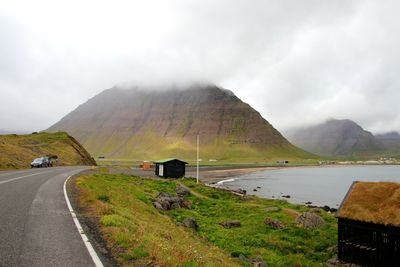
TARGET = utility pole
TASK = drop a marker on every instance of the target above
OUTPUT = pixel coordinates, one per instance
(197, 172)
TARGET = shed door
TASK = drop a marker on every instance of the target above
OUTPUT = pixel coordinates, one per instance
(161, 170)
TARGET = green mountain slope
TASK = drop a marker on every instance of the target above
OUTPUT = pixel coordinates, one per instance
(18, 151)
(150, 124)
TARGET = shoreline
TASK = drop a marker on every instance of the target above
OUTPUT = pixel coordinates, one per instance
(213, 176)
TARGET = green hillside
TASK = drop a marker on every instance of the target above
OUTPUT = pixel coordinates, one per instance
(138, 234)
(18, 151)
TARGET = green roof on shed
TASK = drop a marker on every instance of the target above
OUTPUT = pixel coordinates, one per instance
(166, 160)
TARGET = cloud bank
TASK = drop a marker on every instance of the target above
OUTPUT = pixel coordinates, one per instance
(297, 62)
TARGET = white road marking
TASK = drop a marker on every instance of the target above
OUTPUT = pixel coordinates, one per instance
(21, 177)
(5, 173)
(85, 239)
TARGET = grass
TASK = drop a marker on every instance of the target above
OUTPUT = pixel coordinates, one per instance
(18, 151)
(138, 234)
(375, 202)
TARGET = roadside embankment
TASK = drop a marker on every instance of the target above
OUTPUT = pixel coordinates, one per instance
(205, 227)
(18, 151)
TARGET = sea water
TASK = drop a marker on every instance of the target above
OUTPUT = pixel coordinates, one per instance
(319, 185)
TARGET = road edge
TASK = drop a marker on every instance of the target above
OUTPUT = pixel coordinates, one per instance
(92, 252)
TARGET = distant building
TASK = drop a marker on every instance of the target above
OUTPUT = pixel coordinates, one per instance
(369, 224)
(146, 165)
(282, 162)
(170, 168)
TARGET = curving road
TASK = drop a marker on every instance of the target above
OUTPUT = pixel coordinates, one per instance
(36, 227)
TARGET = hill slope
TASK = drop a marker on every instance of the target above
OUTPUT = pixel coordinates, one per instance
(18, 151)
(335, 138)
(149, 124)
(390, 140)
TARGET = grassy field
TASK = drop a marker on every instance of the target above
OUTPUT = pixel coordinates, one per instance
(18, 151)
(139, 234)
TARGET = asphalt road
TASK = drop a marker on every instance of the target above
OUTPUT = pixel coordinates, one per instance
(36, 227)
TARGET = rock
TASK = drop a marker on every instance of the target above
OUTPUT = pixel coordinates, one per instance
(333, 210)
(241, 191)
(175, 205)
(163, 194)
(164, 201)
(273, 223)
(182, 191)
(310, 220)
(186, 204)
(258, 187)
(230, 224)
(308, 203)
(158, 205)
(326, 208)
(190, 223)
(286, 196)
(254, 190)
(272, 209)
(254, 261)
(258, 262)
(242, 257)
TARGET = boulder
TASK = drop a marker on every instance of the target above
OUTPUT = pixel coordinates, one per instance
(230, 224)
(190, 223)
(310, 220)
(182, 191)
(165, 201)
(273, 223)
(240, 191)
(254, 261)
(326, 208)
(258, 262)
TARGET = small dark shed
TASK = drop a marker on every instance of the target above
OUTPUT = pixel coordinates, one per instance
(369, 224)
(170, 168)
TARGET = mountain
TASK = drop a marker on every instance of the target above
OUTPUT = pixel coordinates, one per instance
(335, 138)
(149, 124)
(18, 151)
(390, 141)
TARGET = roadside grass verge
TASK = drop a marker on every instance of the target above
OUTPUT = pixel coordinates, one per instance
(138, 234)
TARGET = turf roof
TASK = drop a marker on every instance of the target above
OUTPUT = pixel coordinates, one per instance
(170, 159)
(374, 202)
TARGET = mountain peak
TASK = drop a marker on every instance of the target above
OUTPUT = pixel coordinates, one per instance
(149, 123)
(334, 138)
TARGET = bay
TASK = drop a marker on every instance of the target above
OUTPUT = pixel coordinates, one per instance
(319, 185)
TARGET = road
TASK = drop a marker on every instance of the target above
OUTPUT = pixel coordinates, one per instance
(36, 227)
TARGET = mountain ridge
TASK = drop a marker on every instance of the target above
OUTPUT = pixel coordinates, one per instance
(336, 138)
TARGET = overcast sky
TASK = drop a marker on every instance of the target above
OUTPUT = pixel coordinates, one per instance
(296, 62)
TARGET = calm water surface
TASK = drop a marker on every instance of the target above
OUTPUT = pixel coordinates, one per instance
(320, 185)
